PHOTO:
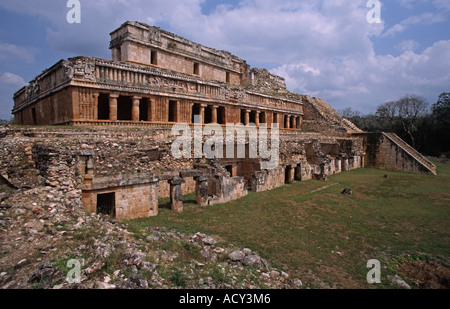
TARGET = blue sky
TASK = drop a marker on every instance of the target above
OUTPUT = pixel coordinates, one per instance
(326, 49)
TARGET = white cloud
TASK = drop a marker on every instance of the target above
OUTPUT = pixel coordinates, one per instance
(13, 52)
(407, 45)
(426, 18)
(375, 79)
(11, 79)
(442, 4)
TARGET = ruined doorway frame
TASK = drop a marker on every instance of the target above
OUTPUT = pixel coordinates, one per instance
(110, 200)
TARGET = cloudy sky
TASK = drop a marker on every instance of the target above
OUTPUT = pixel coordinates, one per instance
(324, 48)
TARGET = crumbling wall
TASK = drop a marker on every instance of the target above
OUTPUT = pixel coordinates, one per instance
(224, 190)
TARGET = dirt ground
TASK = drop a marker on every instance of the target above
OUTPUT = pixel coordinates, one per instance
(426, 274)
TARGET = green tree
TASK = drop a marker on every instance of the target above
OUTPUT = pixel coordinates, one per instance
(441, 124)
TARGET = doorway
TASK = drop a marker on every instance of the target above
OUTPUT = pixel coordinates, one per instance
(106, 204)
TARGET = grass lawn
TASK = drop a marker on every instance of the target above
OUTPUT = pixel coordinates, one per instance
(325, 238)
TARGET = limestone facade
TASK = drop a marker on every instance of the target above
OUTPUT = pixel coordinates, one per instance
(155, 78)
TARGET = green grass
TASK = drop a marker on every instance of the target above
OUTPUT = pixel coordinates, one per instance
(313, 231)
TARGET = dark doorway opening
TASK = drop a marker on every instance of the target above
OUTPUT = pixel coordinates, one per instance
(221, 118)
(33, 115)
(252, 117)
(229, 169)
(103, 106)
(208, 115)
(173, 111)
(124, 108)
(143, 110)
(106, 204)
(288, 170)
(195, 112)
(196, 68)
(153, 57)
(262, 117)
(243, 114)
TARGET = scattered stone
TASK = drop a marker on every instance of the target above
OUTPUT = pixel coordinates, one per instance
(274, 274)
(133, 282)
(297, 282)
(236, 256)
(21, 264)
(252, 260)
(209, 241)
(105, 286)
(398, 282)
(93, 268)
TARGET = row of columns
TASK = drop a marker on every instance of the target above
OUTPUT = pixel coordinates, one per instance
(113, 101)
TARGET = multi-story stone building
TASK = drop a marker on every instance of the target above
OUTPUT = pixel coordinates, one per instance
(156, 77)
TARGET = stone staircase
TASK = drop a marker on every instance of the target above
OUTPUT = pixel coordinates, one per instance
(412, 152)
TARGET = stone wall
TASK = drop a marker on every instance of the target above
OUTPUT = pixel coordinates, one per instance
(187, 187)
(384, 153)
(224, 189)
(134, 196)
(49, 109)
(268, 179)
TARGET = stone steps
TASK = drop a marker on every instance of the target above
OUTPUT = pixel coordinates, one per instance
(412, 152)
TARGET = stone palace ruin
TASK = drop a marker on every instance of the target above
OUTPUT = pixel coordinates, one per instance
(157, 79)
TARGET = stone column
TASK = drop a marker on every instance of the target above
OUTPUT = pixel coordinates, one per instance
(338, 163)
(154, 196)
(202, 191)
(214, 114)
(298, 172)
(247, 117)
(135, 111)
(257, 118)
(151, 111)
(202, 112)
(95, 111)
(176, 194)
(113, 107)
(345, 164)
